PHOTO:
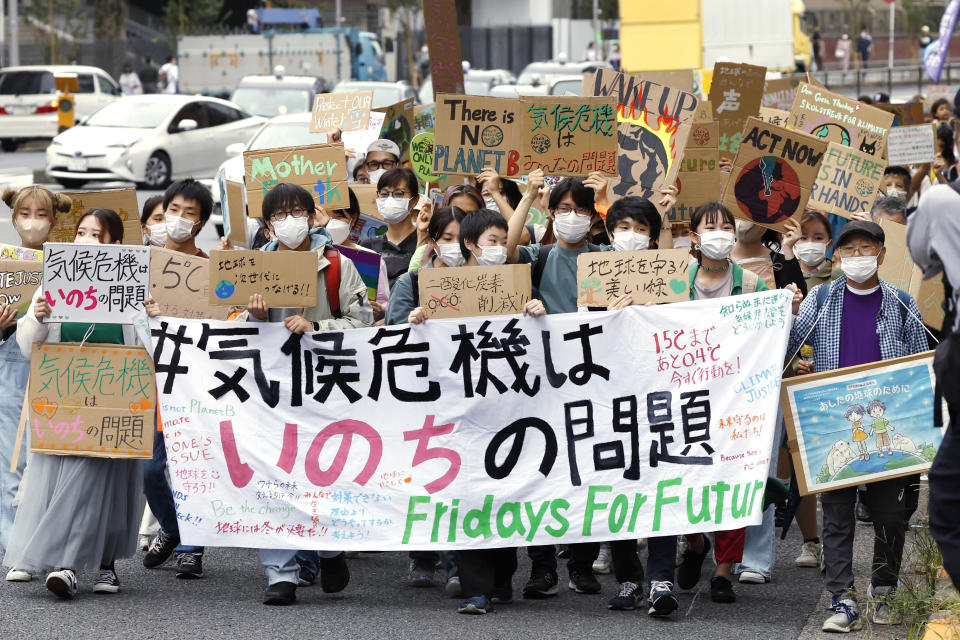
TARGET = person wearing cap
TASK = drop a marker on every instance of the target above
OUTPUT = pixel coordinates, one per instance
(382, 155)
(858, 319)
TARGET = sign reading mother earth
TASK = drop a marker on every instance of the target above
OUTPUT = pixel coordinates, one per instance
(772, 174)
(835, 118)
(319, 168)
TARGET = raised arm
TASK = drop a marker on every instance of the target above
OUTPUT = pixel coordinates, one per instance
(519, 217)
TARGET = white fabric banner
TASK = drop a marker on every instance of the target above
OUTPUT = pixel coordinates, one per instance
(485, 432)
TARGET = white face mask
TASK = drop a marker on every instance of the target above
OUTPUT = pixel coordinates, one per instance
(630, 241)
(859, 268)
(810, 253)
(490, 203)
(178, 228)
(393, 210)
(33, 231)
(717, 245)
(571, 226)
(492, 256)
(450, 254)
(338, 230)
(86, 240)
(292, 231)
(375, 175)
(743, 228)
(896, 192)
(157, 234)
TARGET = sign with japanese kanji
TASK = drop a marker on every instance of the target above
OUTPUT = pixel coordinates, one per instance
(285, 279)
(121, 201)
(95, 282)
(569, 136)
(321, 169)
(916, 144)
(19, 280)
(735, 93)
(473, 132)
(91, 400)
(646, 276)
(463, 292)
(836, 118)
(348, 111)
(456, 433)
(847, 183)
(443, 41)
(180, 285)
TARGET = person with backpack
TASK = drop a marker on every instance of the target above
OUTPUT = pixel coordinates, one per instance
(397, 197)
(859, 319)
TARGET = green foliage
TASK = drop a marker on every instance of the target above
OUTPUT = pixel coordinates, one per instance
(824, 474)
(927, 451)
(186, 17)
(70, 18)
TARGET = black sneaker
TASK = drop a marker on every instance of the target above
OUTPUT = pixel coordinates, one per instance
(334, 574)
(543, 584)
(280, 594)
(421, 575)
(691, 563)
(627, 598)
(584, 581)
(721, 590)
(663, 601)
(107, 582)
(863, 512)
(63, 583)
(189, 566)
(160, 549)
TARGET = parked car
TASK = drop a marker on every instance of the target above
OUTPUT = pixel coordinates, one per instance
(149, 139)
(476, 82)
(29, 100)
(557, 68)
(278, 94)
(384, 93)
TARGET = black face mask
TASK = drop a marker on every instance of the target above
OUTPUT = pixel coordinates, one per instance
(600, 238)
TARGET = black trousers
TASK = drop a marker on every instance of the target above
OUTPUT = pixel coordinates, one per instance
(944, 479)
(661, 559)
(483, 570)
(582, 555)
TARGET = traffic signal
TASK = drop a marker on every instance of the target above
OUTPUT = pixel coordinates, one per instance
(65, 82)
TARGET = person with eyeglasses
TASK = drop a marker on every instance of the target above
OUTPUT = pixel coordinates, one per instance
(858, 319)
(382, 156)
(397, 196)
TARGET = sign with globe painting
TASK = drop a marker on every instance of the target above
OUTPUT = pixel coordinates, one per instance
(772, 174)
(861, 424)
(832, 117)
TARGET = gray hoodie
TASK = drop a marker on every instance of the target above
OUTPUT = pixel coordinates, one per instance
(933, 237)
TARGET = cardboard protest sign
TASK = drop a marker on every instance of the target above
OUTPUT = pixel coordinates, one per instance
(91, 400)
(899, 270)
(703, 112)
(286, 279)
(934, 92)
(443, 41)
(653, 123)
(915, 144)
(122, 201)
(694, 189)
(735, 93)
(347, 111)
(463, 292)
(233, 207)
(367, 199)
(318, 168)
(836, 118)
(398, 126)
(772, 174)
(848, 181)
(569, 136)
(647, 276)
(95, 282)
(779, 93)
(356, 143)
(929, 298)
(421, 157)
(473, 132)
(904, 113)
(367, 264)
(11, 252)
(424, 118)
(19, 281)
(779, 117)
(180, 285)
(861, 424)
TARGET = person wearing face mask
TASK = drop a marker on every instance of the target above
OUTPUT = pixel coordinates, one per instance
(187, 205)
(771, 257)
(382, 156)
(34, 211)
(816, 238)
(465, 197)
(397, 195)
(855, 320)
(288, 211)
(152, 222)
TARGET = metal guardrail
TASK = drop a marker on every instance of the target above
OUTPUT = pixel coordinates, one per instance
(872, 78)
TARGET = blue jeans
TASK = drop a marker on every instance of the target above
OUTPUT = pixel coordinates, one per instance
(159, 495)
(283, 565)
(13, 386)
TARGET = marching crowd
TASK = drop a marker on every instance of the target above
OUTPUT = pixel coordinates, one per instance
(61, 516)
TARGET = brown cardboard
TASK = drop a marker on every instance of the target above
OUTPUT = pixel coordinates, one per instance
(19, 281)
(904, 113)
(836, 118)
(398, 126)
(286, 279)
(796, 157)
(914, 144)
(462, 292)
(779, 117)
(91, 400)
(847, 183)
(367, 199)
(122, 201)
(473, 132)
(899, 270)
(704, 112)
(703, 135)
(443, 41)
(735, 93)
(348, 111)
(655, 275)
(695, 189)
(682, 79)
(929, 298)
(780, 92)
(700, 160)
(237, 210)
(318, 168)
(180, 284)
(569, 136)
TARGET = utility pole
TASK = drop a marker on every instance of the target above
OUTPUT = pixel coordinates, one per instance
(596, 29)
(14, 34)
(337, 12)
(53, 34)
(893, 17)
(180, 9)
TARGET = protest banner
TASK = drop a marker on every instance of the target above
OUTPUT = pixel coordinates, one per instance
(772, 174)
(233, 209)
(318, 168)
(95, 282)
(653, 123)
(398, 126)
(91, 400)
(443, 40)
(348, 111)
(694, 189)
(934, 92)
(12, 252)
(779, 117)
(627, 418)
(473, 132)
(569, 136)
(848, 181)
(915, 144)
(121, 201)
(861, 424)
(180, 284)
(286, 279)
(368, 266)
(19, 281)
(899, 270)
(464, 292)
(836, 118)
(654, 275)
(735, 93)
(778, 93)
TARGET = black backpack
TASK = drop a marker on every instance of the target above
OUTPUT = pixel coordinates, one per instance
(946, 360)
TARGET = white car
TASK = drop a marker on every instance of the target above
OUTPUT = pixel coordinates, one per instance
(384, 93)
(29, 100)
(149, 139)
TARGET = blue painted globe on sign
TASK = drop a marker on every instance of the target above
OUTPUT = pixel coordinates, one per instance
(224, 289)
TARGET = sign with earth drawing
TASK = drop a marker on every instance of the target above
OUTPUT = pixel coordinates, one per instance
(835, 118)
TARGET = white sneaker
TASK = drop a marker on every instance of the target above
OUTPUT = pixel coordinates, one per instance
(752, 577)
(107, 582)
(845, 618)
(18, 575)
(63, 583)
(883, 612)
(810, 554)
(602, 563)
(143, 542)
